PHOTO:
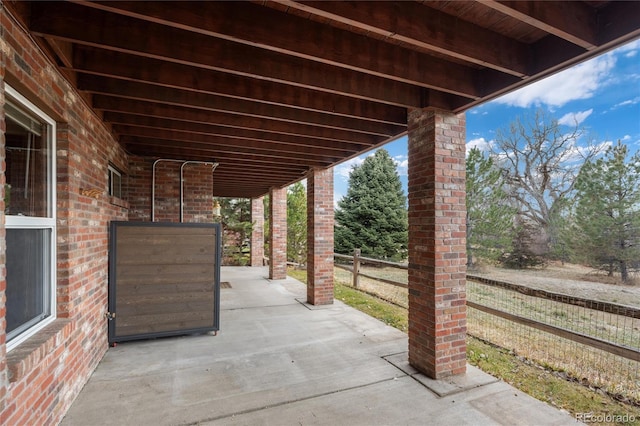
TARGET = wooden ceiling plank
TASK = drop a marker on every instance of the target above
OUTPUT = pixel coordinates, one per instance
(64, 51)
(297, 37)
(134, 68)
(321, 160)
(574, 21)
(213, 120)
(444, 34)
(218, 129)
(232, 171)
(270, 115)
(160, 42)
(230, 140)
(618, 22)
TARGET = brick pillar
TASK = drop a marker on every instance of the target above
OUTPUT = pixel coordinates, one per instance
(437, 236)
(278, 238)
(320, 237)
(257, 232)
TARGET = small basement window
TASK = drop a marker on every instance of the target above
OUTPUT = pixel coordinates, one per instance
(115, 182)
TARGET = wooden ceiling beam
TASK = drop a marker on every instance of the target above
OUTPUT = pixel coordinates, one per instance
(251, 174)
(268, 114)
(134, 68)
(218, 123)
(140, 146)
(251, 151)
(573, 21)
(240, 140)
(445, 34)
(236, 132)
(156, 41)
(299, 38)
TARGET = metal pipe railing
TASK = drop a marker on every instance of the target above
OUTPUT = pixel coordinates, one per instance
(153, 182)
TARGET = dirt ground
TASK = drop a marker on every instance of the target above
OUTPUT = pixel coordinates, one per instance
(574, 280)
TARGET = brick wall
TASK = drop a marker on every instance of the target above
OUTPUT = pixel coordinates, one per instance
(278, 229)
(41, 377)
(136, 188)
(437, 262)
(320, 237)
(257, 232)
(197, 191)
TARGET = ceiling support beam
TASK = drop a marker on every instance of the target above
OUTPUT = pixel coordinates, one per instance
(570, 20)
(232, 111)
(445, 34)
(175, 45)
(118, 65)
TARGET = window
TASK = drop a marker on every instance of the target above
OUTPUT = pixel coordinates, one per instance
(30, 218)
(115, 182)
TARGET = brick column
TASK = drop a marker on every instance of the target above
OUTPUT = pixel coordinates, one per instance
(257, 232)
(320, 237)
(278, 238)
(437, 236)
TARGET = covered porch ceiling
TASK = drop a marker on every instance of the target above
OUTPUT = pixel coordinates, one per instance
(272, 89)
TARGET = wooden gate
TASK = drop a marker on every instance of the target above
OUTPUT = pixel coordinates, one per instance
(164, 279)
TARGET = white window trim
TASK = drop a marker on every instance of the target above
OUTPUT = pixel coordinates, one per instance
(22, 222)
(112, 170)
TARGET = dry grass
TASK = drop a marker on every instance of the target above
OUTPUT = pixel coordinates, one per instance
(596, 368)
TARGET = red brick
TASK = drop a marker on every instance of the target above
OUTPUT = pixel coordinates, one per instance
(278, 237)
(436, 242)
(320, 236)
(85, 147)
(257, 232)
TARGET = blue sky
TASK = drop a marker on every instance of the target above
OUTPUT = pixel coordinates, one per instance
(602, 95)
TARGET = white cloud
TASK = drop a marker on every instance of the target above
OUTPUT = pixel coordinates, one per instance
(479, 143)
(627, 102)
(626, 138)
(575, 118)
(344, 169)
(402, 164)
(579, 82)
(630, 49)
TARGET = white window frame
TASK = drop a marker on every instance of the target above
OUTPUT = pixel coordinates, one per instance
(114, 172)
(49, 222)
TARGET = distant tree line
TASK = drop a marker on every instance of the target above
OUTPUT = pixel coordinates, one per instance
(539, 195)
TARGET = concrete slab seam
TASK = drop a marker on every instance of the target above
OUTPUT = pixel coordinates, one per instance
(244, 308)
(283, 403)
(311, 307)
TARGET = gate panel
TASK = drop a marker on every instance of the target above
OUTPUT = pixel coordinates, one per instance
(164, 279)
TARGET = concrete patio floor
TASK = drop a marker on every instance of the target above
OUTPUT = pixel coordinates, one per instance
(278, 361)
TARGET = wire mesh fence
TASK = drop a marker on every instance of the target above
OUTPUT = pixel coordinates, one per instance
(590, 341)
(598, 348)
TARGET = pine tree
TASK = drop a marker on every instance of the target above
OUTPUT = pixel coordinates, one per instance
(235, 217)
(490, 219)
(373, 214)
(607, 216)
(297, 223)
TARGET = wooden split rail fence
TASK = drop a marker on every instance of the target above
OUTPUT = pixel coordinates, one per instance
(626, 351)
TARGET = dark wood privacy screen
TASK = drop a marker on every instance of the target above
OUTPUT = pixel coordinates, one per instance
(164, 279)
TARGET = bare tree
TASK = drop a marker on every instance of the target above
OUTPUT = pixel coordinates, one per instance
(540, 162)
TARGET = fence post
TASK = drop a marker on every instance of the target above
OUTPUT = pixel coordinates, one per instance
(356, 267)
